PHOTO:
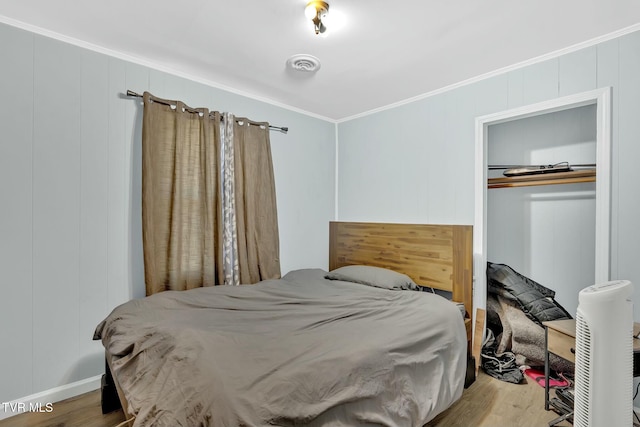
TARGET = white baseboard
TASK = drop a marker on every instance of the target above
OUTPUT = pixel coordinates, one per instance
(45, 400)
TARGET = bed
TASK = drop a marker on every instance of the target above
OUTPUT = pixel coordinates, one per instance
(305, 350)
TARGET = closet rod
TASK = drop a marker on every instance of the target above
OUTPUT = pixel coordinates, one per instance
(282, 129)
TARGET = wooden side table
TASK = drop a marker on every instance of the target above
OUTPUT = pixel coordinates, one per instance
(559, 339)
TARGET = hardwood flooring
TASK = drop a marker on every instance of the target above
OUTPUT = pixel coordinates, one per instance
(81, 411)
(487, 403)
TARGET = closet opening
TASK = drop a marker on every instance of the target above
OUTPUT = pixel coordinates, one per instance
(559, 233)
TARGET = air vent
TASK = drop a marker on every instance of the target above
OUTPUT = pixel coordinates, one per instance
(303, 62)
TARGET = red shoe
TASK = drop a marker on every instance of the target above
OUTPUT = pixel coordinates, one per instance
(538, 377)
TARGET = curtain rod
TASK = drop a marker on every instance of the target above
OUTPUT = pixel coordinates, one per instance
(282, 129)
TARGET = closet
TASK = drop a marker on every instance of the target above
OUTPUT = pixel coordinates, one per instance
(543, 225)
(553, 227)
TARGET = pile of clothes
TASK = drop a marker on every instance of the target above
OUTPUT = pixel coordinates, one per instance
(516, 308)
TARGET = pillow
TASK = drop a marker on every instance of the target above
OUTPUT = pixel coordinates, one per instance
(372, 276)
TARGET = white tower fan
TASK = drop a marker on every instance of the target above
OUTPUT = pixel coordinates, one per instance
(604, 356)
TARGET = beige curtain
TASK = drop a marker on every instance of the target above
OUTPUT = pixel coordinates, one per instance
(180, 196)
(184, 165)
(256, 212)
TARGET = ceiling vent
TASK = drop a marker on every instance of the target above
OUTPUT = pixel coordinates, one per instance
(303, 62)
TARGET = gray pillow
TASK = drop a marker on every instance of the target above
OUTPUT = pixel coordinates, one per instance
(372, 276)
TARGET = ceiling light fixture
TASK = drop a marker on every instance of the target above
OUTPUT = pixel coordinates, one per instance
(316, 11)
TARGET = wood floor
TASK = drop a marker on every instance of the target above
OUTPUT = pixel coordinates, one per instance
(487, 403)
(81, 411)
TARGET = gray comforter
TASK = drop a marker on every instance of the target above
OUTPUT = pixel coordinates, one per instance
(302, 350)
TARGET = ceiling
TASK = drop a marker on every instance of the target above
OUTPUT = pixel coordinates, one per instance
(383, 53)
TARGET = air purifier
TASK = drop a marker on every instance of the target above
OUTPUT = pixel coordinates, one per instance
(604, 356)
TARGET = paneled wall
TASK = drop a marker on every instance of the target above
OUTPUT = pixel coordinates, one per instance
(70, 228)
(70, 246)
(415, 162)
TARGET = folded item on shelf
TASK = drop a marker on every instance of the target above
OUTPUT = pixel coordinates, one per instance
(530, 170)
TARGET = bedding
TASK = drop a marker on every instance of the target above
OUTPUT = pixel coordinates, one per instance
(372, 276)
(301, 350)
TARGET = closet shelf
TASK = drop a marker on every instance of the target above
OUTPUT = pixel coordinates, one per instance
(571, 177)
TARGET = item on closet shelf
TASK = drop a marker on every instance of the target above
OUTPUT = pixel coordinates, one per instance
(530, 170)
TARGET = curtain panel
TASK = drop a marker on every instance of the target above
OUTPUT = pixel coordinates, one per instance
(209, 213)
(180, 197)
(256, 211)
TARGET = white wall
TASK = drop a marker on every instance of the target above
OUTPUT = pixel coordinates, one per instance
(410, 164)
(415, 162)
(70, 228)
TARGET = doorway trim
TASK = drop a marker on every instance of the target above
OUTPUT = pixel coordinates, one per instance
(599, 97)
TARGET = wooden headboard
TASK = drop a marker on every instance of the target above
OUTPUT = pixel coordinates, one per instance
(439, 256)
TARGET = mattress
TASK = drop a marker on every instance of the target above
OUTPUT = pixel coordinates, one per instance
(301, 350)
